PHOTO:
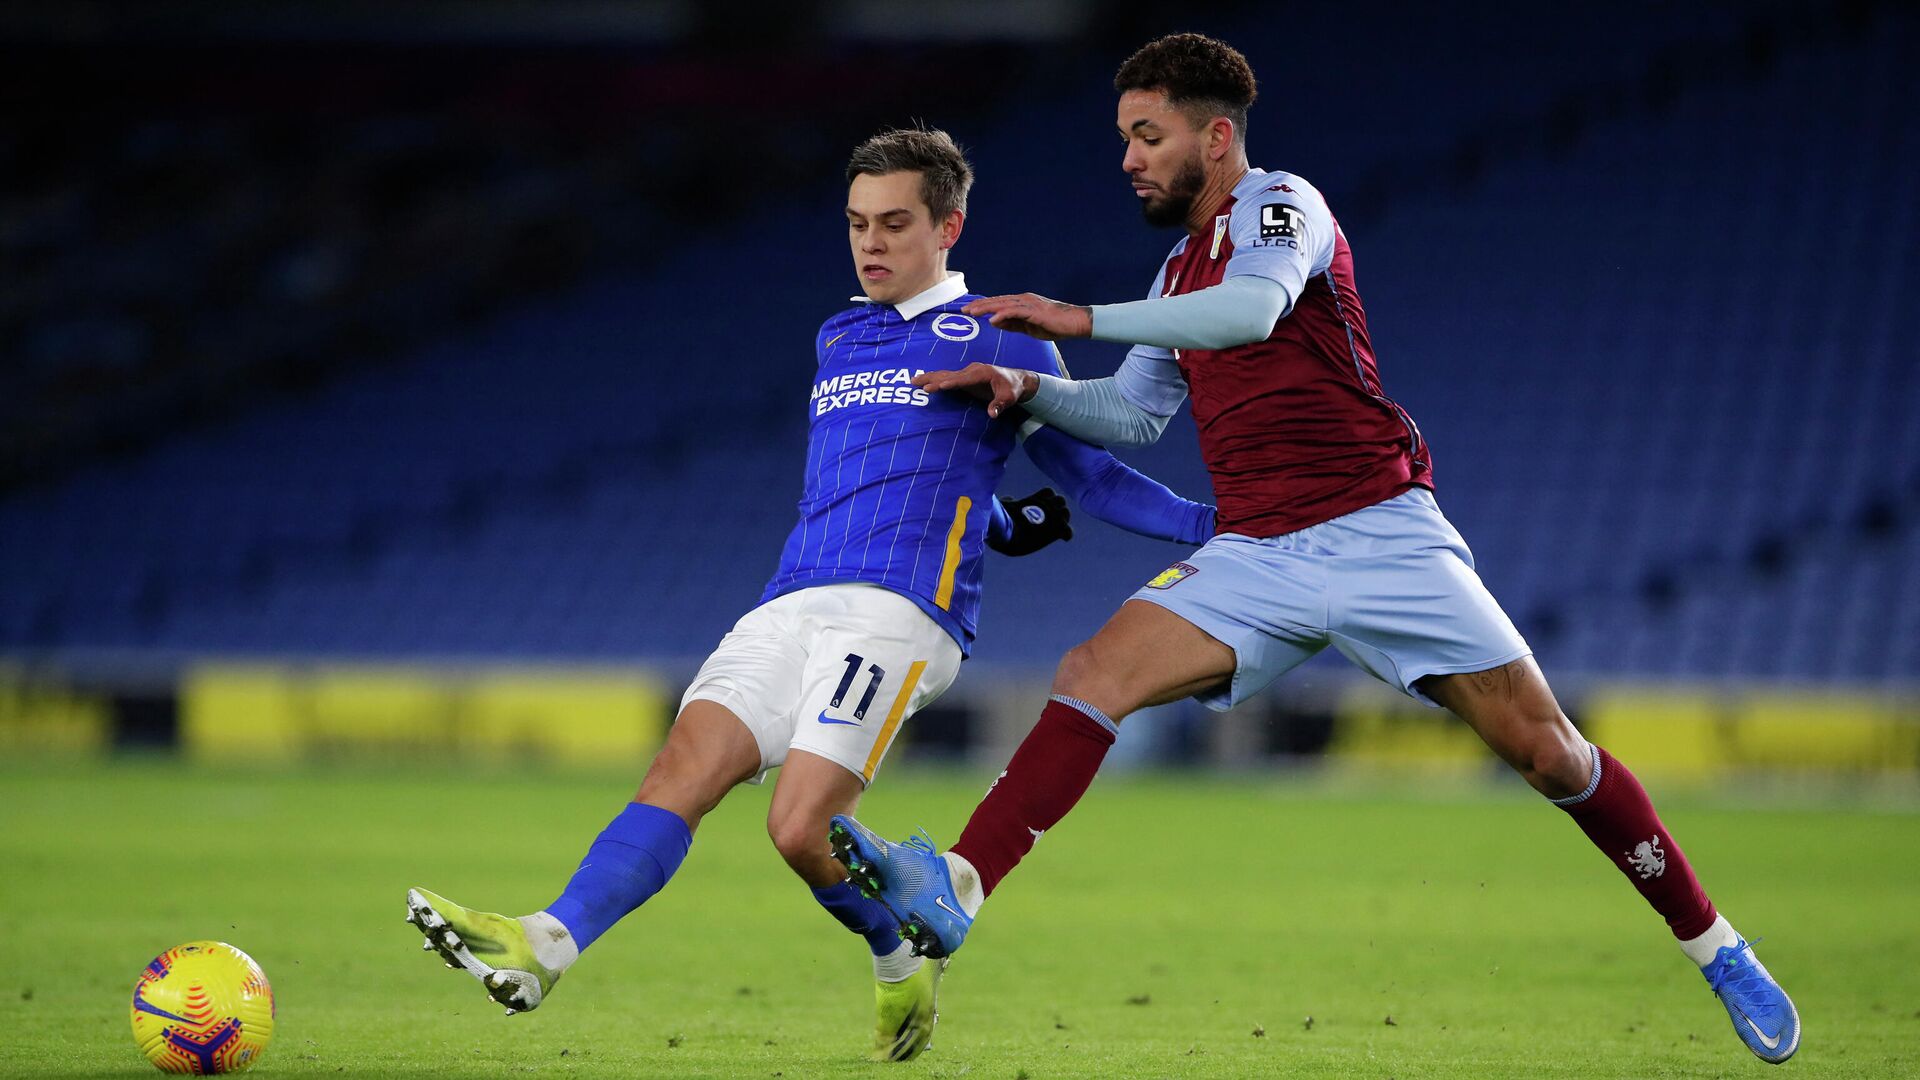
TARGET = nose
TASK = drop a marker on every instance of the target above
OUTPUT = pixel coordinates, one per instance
(871, 243)
(1134, 161)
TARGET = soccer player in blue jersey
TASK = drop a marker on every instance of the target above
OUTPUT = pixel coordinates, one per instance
(870, 613)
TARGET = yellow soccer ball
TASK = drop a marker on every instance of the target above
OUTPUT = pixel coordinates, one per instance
(201, 1008)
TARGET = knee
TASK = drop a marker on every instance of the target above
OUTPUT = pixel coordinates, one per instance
(800, 838)
(1555, 759)
(1081, 674)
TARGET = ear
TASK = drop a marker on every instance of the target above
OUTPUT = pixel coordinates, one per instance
(1220, 135)
(950, 229)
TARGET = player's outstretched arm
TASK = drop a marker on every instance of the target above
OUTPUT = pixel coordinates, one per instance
(1237, 311)
(1034, 315)
(1130, 408)
(1114, 492)
(1000, 387)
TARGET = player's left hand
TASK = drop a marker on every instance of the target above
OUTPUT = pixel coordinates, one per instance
(1038, 520)
(1035, 316)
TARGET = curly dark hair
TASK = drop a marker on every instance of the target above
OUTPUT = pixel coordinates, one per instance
(1203, 77)
(945, 176)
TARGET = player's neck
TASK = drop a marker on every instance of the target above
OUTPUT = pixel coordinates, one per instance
(1214, 192)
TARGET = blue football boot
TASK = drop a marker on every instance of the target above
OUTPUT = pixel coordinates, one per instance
(1763, 1015)
(911, 879)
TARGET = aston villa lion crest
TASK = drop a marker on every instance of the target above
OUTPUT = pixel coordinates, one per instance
(1172, 575)
(1647, 859)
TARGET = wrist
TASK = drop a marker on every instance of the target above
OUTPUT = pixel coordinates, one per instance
(1029, 386)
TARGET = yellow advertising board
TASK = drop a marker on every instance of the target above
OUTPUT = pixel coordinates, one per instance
(40, 714)
(282, 712)
(1710, 730)
(1673, 729)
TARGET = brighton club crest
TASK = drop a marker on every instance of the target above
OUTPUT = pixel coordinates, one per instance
(1647, 859)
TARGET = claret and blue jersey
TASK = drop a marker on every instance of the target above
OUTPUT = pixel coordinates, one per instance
(899, 482)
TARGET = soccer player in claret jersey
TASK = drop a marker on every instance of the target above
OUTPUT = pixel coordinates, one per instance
(1328, 533)
(870, 612)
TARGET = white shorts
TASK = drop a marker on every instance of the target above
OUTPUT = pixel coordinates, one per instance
(834, 670)
(1391, 586)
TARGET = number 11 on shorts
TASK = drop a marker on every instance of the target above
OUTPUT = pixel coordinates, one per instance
(877, 672)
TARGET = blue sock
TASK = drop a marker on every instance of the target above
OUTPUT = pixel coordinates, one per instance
(629, 861)
(868, 918)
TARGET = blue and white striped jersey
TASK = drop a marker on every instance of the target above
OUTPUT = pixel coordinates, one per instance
(899, 482)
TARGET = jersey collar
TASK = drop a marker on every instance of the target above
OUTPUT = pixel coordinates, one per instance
(945, 292)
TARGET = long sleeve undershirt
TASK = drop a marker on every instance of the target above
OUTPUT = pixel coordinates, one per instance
(1132, 408)
(1095, 410)
(1234, 312)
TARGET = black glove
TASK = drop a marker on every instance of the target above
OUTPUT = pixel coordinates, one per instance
(1038, 520)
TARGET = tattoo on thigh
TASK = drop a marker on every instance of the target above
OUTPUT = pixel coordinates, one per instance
(1504, 681)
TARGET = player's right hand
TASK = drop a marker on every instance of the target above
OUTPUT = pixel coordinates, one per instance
(1035, 316)
(1038, 520)
(999, 387)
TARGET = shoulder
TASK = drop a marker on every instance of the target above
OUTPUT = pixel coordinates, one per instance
(839, 322)
(845, 317)
(1278, 206)
(1020, 351)
(1262, 188)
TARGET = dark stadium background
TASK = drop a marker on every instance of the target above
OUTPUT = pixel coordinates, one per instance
(377, 377)
(398, 399)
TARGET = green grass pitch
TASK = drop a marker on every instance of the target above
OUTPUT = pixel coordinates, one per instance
(1172, 927)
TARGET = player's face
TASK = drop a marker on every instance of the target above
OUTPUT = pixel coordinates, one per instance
(1164, 158)
(899, 251)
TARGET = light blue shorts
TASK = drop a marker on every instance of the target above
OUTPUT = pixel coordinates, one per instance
(1391, 586)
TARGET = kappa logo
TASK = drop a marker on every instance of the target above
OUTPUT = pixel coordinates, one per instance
(1279, 221)
(1172, 575)
(955, 327)
(1647, 859)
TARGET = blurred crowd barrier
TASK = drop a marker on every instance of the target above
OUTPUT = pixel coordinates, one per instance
(615, 717)
(293, 713)
(1677, 729)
